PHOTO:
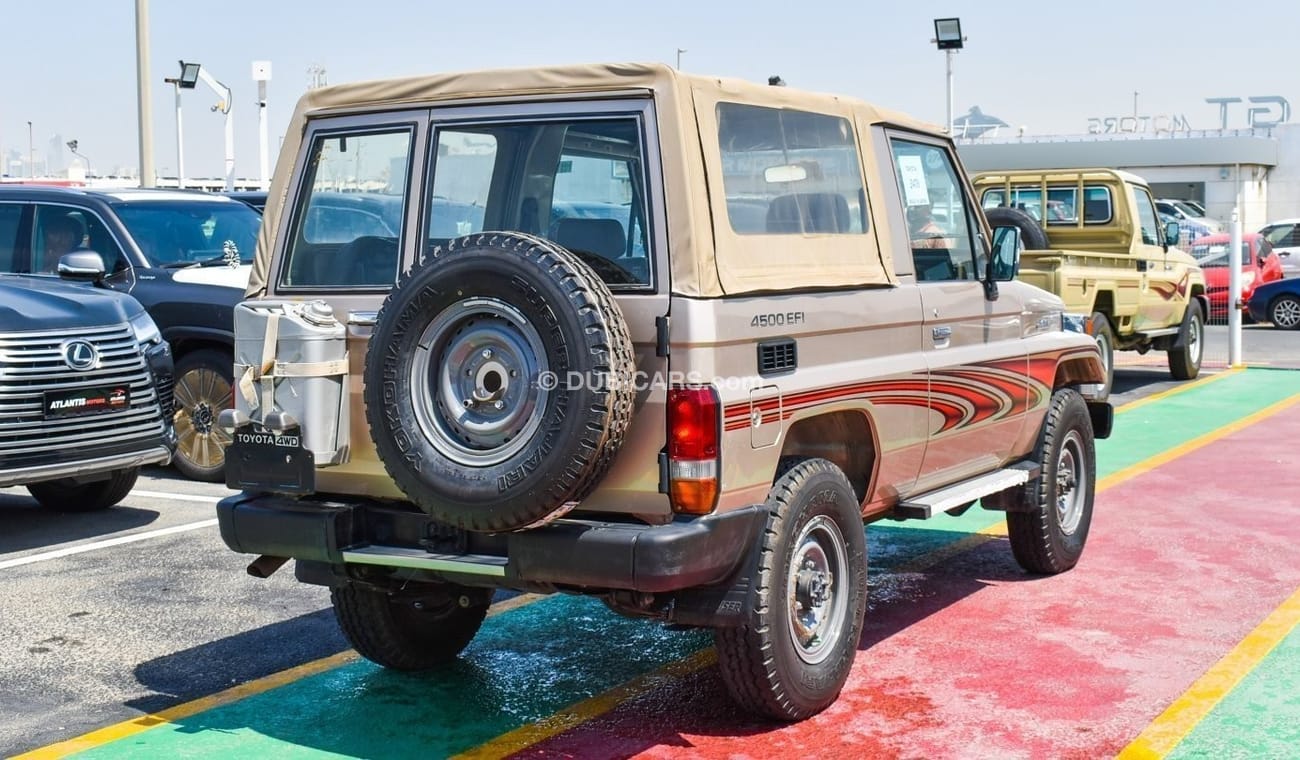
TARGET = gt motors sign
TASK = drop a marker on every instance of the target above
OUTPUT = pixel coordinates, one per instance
(1260, 111)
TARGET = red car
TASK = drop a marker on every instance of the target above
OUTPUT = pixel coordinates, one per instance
(1259, 264)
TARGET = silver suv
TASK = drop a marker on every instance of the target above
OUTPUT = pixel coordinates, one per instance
(662, 339)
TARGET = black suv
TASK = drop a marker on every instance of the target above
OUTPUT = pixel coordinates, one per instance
(183, 255)
(85, 388)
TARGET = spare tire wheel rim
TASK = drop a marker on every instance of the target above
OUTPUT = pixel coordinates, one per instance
(476, 378)
(816, 598)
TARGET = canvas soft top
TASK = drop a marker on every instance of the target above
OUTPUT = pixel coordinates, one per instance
(706, 261)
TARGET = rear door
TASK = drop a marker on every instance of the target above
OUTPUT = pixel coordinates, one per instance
(978, 385)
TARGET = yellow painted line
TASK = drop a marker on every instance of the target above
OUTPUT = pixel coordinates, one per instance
(1171, 726)
(1186, 447)
(526, 736)
(1185, 387)
(234, 694)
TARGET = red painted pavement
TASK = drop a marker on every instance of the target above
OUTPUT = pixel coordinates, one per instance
(975, 659)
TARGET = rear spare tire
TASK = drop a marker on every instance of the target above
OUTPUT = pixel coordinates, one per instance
(498, 381)
(1032, 236)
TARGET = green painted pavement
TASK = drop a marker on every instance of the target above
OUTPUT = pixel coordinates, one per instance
(1257, 719)
(531, 662)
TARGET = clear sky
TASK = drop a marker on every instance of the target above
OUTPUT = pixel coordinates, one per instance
(68, 66)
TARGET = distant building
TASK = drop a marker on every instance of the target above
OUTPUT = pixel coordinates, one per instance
(55, 164)
(976, 123)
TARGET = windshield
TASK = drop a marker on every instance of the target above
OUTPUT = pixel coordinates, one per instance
(1216, 254)
(181, 233)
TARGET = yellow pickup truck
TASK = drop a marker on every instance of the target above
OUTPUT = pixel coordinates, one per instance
(1093, 237)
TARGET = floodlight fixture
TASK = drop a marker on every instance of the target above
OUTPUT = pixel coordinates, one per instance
(189, 75)
(947, 33)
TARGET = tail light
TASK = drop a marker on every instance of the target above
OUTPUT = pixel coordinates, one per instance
(694, 432)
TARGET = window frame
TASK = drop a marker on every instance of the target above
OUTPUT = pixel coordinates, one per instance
(974, 230)
(111, 227)
(1079, 209)
(411, 122)
(453, 117)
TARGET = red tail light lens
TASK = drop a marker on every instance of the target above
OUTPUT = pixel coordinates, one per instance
(694, 429)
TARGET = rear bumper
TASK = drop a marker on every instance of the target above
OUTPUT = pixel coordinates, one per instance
(587, 554)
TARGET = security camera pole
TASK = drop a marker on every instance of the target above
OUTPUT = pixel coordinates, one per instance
(191, 73)
(262, 75)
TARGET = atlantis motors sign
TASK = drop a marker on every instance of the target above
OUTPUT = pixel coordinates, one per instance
(1260, 111)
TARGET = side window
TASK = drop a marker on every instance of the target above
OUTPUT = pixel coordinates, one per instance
(57, 230)
(347, 225)
(1147, 219)
(788, 172)
(938, 220)
(11, 258)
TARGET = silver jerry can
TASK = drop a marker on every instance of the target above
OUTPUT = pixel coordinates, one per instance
(291, 370)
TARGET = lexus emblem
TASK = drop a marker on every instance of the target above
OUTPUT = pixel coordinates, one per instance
(80, 355)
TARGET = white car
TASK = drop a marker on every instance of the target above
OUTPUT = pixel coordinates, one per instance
(1285, 237)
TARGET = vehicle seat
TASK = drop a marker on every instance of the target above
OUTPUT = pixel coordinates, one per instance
(369, 260)
(808, 213)
(602, 237)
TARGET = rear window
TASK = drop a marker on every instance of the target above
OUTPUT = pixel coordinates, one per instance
(788, 172)
(1062, 203)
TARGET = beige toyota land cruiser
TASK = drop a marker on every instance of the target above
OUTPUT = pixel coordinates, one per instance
(661, 339)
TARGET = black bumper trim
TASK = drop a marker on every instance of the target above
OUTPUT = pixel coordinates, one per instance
(580, 553)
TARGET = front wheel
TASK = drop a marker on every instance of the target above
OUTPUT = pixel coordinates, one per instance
(67, 495)
(203, 380)
(409, 630)
(1284, 312)
(1049, 525)
(791, 656)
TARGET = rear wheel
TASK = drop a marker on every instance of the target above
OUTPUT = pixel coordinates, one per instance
(1284, 312)
(791, 656)
(409, 631)
(1185, 361)
(68, 495)
(1052, 513)
(1105, 337)
(202, 391)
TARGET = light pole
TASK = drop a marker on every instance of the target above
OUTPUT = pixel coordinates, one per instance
(186, 81)
(144, 98)
(679, 57)
(262, 75)
(31, 153)
(190, 74)
(72, 146)
(947, 37)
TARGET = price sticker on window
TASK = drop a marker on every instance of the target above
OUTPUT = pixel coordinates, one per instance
(912, 173)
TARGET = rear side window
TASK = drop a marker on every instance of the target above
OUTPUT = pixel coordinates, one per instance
(788, 172)
(347, 228)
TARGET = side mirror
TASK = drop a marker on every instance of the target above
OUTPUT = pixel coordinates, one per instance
(82, 265)
(1171, 233)
(1006, 253)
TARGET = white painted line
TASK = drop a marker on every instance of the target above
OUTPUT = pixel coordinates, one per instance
(127, 539)
(180, 496)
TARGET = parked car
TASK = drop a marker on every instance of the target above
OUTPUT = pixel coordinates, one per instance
(85, 384)
(1191, 206)
(254, 198)
(183, 255)
(691, 424)
(1277, 302)
(1259, 264)
(1183, 213)
(1189, 230)
(1284, 236)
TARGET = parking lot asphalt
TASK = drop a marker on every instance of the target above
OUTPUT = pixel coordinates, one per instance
(118, 631)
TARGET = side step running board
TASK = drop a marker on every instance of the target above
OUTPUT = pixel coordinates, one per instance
(397, 556)
(927, 505)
